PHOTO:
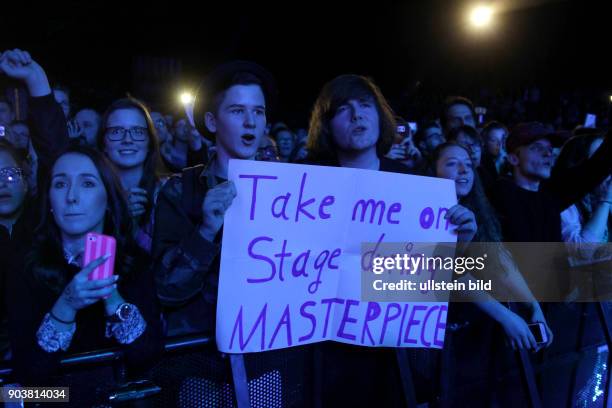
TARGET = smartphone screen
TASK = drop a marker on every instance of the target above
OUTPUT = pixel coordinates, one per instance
(96, 246)
(590, 120)
(538, 331)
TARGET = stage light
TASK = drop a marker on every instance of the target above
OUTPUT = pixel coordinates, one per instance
(481, 16)
(186, 98)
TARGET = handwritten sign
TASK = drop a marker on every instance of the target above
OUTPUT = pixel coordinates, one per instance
(291, 260)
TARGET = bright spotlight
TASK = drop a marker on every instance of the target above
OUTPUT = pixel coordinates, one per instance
(481, 16)
(186, 98)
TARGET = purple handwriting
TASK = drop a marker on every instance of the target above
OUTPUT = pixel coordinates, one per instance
(421, 325)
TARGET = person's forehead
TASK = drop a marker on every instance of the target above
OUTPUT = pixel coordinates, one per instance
(244, 95)
(86, 114)
(74, 164)
(497, 132)
(542, 142)
(455, 152)
(459, 109)
(433, 130)
(126, 116)
(466, 137)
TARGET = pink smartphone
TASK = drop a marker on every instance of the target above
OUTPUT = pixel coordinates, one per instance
(97, 245)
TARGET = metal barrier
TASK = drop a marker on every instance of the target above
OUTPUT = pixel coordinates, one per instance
(192, 373)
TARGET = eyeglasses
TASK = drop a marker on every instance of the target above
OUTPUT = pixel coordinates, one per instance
(11, 175)
(117, 133)
(160, 123)
(267, 153)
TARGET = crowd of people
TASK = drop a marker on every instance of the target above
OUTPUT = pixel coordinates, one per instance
(159, 185)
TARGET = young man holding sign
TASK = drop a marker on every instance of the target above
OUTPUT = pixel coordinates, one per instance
(352, 125)
(230, 107)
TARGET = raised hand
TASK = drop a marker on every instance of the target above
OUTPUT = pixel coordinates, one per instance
(465, 220)
(137, 201)
(18, 64)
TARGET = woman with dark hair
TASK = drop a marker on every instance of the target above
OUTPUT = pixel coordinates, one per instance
(53, 306)
(129, 139)
(452, 161)
(472, 365)
(585, 225)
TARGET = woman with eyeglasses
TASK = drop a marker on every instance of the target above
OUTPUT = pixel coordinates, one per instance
(15, 228)
(129, 139)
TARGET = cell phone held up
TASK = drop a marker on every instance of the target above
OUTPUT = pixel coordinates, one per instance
(96, 246)
(539, 332)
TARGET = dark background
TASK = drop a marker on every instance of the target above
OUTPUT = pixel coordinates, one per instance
(103, 49)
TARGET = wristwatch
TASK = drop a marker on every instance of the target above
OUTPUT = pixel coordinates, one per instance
(123, 313)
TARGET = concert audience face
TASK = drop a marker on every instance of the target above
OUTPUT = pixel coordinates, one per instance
(89, 121)
(13, 186)
(63, 98)
(459, 114)
(6, 113)
(285, 142)
(239, 121)
(77, 195)
(161, 126)
(413, 155)
(533, 161)
(468, 136)
(355, 125)
(19, 135)
(130, 150)
(181, 130)
(454, 163)
(494, 141)
(351, 123)
(429, 138)
(267, 150)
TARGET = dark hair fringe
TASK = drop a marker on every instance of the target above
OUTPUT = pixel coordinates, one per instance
(336, 92)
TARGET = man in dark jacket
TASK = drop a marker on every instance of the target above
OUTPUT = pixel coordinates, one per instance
(530, 203)
(231, 107)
